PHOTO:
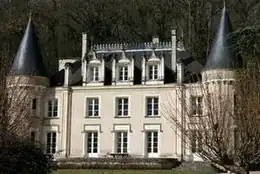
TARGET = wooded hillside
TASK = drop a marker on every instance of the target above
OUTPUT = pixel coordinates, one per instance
(61, 22)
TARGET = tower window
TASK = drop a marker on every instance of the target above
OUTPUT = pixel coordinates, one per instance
(34, 104)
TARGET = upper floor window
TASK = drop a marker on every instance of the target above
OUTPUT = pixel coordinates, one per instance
(153, 72)
(122, 106)
(123, 73)
(53, 108)
(94, 73)
(152, 106)
(196, 105)
(93, 107)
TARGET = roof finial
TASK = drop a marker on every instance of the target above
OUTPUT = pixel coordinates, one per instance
(30, 16)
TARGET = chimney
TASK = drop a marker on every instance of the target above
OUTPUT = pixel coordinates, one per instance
(155, 40)
(173, 50)
(180, 72)
(84, 51)
(67, 74)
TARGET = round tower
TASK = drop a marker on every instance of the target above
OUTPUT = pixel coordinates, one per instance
(222, 59)
(28, 82)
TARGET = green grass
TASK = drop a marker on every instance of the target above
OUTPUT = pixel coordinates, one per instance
(121, 172)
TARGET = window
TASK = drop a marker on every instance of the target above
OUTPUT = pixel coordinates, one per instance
(51, 142)
(53, 108)
(196, 142)
(121, 142)
(152, 142)
(152, 106)
(92, 142)
(122, 106)
(93, 107)
(94, 74)
(123, 73)
(196, 105)
(33, 136)
(153, 72)
(34, 104)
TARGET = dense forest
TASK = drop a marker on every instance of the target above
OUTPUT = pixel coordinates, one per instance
(60, 24)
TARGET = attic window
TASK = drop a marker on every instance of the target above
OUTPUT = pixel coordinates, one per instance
(153, 72)
(94, 73)
(123, 73)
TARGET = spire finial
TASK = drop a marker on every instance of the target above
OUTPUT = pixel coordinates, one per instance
(30, 16)
(224, 3)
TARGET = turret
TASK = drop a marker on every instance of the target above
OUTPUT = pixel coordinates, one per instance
(28, 62)
(28, 82)
(222, 59)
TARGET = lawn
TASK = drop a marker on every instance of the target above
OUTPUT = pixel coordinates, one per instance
(121, 172)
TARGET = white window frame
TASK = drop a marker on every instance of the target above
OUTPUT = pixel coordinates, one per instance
(92, 101)
(54, 105)
(153, 110)
(94, 73)
(123, 73)
(92, 153)
(196, 105)
(122, 101)
(152, 153)
(52, 147)
(122, 135)
(154, 74)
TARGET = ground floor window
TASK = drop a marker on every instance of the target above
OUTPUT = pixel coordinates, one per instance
(152, 143)
(51, 142)
(196, 142)
(121, 142)
(92, 143)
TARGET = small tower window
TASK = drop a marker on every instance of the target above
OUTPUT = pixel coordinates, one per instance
(123, 73)
(94, 74)
(34, 104)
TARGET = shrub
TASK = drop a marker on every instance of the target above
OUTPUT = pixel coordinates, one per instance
(23, 157)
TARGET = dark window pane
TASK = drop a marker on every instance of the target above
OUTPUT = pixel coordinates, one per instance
(34, 103)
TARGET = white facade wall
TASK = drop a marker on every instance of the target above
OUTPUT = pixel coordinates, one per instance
(71, 124)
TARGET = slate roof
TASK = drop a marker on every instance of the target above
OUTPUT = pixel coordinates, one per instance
(191, 66)
(28, 60)
(222, 55)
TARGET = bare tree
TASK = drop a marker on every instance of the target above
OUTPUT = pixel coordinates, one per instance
(220, 119)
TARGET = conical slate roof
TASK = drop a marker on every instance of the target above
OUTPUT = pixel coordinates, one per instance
(222, 55)
(28, 60)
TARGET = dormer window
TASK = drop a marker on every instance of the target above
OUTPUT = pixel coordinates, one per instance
(153, 69)
(123, 73)
(94, 74)
(153, 72)
(123, 70)
(95, 67)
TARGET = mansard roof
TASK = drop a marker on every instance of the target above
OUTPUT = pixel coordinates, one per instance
(28, 60)
(222, 55)
(191, 66)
